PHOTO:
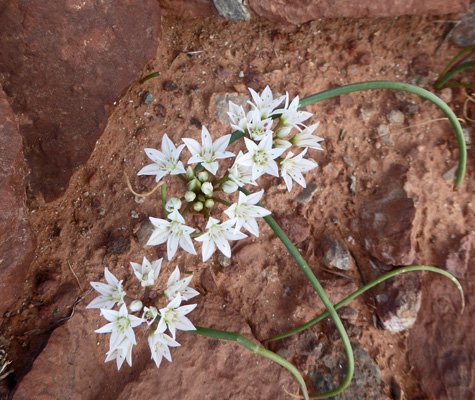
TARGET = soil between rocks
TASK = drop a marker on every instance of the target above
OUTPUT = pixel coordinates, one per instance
(97, 223)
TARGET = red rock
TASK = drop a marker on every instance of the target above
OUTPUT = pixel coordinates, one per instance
(457, 260)
(17, 242)
(72, 364)
(188, 8)
(63, 65)
(301, 11)
(387, 218)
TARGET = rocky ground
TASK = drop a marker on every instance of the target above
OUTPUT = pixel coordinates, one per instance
(381, 197)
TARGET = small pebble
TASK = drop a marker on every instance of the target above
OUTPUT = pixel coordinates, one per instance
(170, 86)
(224, 261)
(395, 117)
(348, 161)
(147, 98)
(383, 132)
(307, 193)
(446, 95)
(450, 174)
(134, 214)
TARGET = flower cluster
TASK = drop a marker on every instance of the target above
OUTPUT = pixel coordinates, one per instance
(266, 142)
(122, 322)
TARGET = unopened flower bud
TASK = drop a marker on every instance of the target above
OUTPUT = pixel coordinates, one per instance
(283, 132)
(136, 305)
(193, 185)
(203, 176)
(201, 198)
(190, 196)
(229, 187)
(173, 204)
(209, 203)
(198, 206)
(207, 188)
(190, 174)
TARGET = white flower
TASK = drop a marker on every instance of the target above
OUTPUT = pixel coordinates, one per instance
(208, 152)
(290, 117)
(217, 235)
(174, 232)
(265, 103)
(241, 174)
(111, 293)
(306, 139)
(259, 128)
(149, 314)
(292, 168)
(122, 352)
(245, 211)
(173, 204)
(261, 157)
(173, 316)
(147, 273)
(159, 343)
(238, 117)
(164, 162)
(121, 325)
(177, 287)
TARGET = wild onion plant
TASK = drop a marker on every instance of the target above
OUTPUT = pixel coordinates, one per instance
(276, 141)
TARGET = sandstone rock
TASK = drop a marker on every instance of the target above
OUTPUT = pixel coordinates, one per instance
(219, 105)
(17, 242)
(398, 301)
(457, 260)
(72, 364)
(386, 220)
(63, 64)
(301, 11)
(336, 255)
(234, 10)
(306, 195)
(463, 34)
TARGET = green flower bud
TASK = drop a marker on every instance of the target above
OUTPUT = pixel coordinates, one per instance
(201, 198)
(209, 203)
(198, 206)
(190, 174)
(194, 185)
(203, 176)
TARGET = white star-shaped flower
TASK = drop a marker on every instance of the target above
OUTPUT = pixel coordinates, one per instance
(165, 162)
(259, 128)
(241, 174)
(111, 293)
(147, 272)
(208, 152)
(239, 119)
(306, 139)
(174, 232)
(261, 157)
(265, 102)
(122, 352)
(217, 235)
(245, 211)
(159, 343)
(120, 325)
(149, 314)
(290, 117)
(173, 316)
(292, 168)
(176, 287)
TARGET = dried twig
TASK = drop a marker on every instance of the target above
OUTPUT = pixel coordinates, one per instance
(138, 194)
(77, 279)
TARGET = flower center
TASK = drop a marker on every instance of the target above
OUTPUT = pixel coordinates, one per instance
(122, 323)
(260, 157)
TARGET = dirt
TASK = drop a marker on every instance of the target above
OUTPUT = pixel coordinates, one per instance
(97, 222)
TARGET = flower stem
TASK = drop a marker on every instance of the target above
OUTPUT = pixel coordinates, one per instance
(236, 337)
(321, 293)
(218, 200)
(164, 199)
(368, 286)
(405, 87)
